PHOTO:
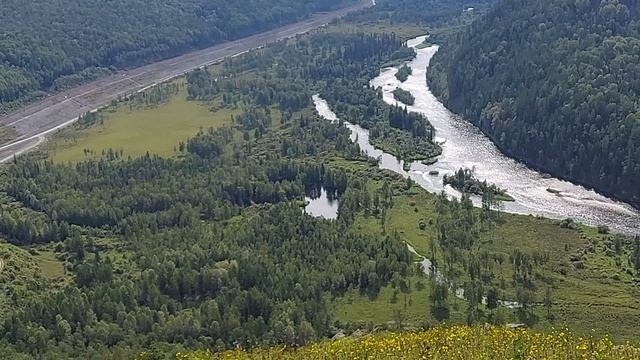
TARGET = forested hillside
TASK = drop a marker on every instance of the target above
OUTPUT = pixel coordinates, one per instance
(48, 45)
(118, 254)
(556, 84)
(435, 13)
(211, 248)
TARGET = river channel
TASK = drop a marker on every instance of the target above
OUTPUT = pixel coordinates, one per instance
(464, 145)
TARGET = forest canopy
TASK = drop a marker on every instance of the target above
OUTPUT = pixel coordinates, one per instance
(48, 45)
(211, 248)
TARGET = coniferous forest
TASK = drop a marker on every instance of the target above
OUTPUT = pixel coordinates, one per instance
(213, 247)
(554, 83)
(219, 251)
(52, 45)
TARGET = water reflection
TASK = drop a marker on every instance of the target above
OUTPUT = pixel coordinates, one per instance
(321, 204)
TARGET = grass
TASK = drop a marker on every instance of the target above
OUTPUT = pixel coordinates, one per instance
(456, 342)
(394, 308)
(50, 267)
(600, 294)
(157, 130)
(28, 274)
(405, 217)
(7, 133)
(585, 297)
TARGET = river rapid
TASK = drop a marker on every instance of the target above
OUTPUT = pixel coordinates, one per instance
(464, 145)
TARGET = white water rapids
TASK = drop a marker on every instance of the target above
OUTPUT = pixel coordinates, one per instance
(464, 145)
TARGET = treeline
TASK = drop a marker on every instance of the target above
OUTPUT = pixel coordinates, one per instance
(435, 13)
(338, 67)
(554, 83)
(56, 44)
(465, 181)
(153, 192)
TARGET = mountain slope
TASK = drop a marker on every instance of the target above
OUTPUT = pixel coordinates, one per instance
(57, 44)
(554, 83)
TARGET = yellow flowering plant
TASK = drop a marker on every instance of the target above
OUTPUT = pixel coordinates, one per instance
(444, 342)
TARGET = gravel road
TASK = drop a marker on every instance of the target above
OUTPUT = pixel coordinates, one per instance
(34, 122)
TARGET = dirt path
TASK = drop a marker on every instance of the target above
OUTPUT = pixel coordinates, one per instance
(36, 121)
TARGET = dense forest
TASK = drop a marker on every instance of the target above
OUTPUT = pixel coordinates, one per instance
(210, 249)
(49, 45)
(341, 74)
(554, 83)
(434, 13)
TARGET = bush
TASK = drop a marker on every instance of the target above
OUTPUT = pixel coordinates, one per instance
(422, 225)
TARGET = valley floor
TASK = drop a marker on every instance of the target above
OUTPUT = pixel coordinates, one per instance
(582, 272)
(171, 221)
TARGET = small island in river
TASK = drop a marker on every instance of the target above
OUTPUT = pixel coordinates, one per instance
(404, 96)
(465, 181)
(403, 73)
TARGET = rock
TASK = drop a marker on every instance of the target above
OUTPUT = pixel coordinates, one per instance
(359, 333)
(516, 326)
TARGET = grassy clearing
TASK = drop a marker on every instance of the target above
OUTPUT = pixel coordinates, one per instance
(50, 267)
(591, 291)
(394, 308)
(405, 216)
(592, 286)
(157, 130)
(27, 275)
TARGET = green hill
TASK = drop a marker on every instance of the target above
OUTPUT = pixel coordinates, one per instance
(555, 84)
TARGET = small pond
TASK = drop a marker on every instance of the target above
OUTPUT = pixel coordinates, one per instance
(321, 204)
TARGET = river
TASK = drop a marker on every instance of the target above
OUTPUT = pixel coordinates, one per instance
(464, 145)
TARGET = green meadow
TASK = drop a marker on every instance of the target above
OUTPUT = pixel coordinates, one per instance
(156, 129)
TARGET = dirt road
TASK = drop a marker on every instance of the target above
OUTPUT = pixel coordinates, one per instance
(34, 122)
